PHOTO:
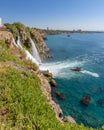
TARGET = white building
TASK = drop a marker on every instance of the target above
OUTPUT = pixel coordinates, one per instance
(1, 22)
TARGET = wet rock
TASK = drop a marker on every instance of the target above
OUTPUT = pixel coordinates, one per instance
(53, 83)
(101, 101)
(60, 95)
(47, 74)
(100, 89)
(86, 100)
(68, 119)
(45, 38)
(49, 56)
(60, 115)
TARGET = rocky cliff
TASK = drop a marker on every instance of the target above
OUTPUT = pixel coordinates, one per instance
(25, 33)
(6, 36)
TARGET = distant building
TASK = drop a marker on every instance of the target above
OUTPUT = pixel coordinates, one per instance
(47, 28)
(2, 27)
(1, 22)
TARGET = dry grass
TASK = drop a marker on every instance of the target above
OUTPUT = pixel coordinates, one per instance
(17, 52)
(3, 67)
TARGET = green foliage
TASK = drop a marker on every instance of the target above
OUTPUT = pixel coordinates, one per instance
(28, 29)
(19, 26)
(27, 44)
(12, 29)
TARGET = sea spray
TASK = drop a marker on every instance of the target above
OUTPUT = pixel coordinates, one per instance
(90, 73)
(34, 51)
(61, 69)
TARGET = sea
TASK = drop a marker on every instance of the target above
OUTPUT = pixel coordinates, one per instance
(84, 50)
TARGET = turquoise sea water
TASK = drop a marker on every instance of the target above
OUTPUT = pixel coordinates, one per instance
(85, 51)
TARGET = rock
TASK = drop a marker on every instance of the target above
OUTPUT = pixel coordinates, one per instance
(60, 115)
(68, 119)
(47, 74)
(85, 100)
(53, 83)
(49, 78)
(100, 89)
(60, 95)
(3, 110)
(3, 28)
(49, 56)
(44, 38)
(101, 101)
(7, 37)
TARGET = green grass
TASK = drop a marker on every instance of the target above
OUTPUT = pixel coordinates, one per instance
(26, 105)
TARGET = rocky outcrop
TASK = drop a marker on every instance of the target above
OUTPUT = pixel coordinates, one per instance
(25, 34)
(40, 44)
(46, 89)
(60, 94)
(86, 100)
(49, 77)
(7, 37)
(53, 83)
(68, 119)
(101, 102)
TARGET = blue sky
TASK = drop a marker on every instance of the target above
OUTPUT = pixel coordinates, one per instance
(55, 14)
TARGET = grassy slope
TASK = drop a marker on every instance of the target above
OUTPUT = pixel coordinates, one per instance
(22, 104)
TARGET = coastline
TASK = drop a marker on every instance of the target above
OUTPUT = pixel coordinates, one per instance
(47, 91)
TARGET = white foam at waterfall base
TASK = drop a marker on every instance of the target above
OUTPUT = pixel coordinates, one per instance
(61, 69)
(34, 51)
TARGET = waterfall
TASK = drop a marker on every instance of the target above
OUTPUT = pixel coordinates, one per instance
(34, 51)
(30, 57)
(19, 42)
(14, 42)
(28, 54)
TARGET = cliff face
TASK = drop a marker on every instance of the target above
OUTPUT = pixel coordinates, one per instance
(40, 44)
(25, 34)
(7, 37)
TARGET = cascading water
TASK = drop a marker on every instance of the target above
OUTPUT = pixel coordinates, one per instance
(19, 42)
(34, 51)
(28, 54)
(14, 42)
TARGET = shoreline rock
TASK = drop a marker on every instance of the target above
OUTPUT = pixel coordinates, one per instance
(85, 100)
(47, 91)
(60, 95)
